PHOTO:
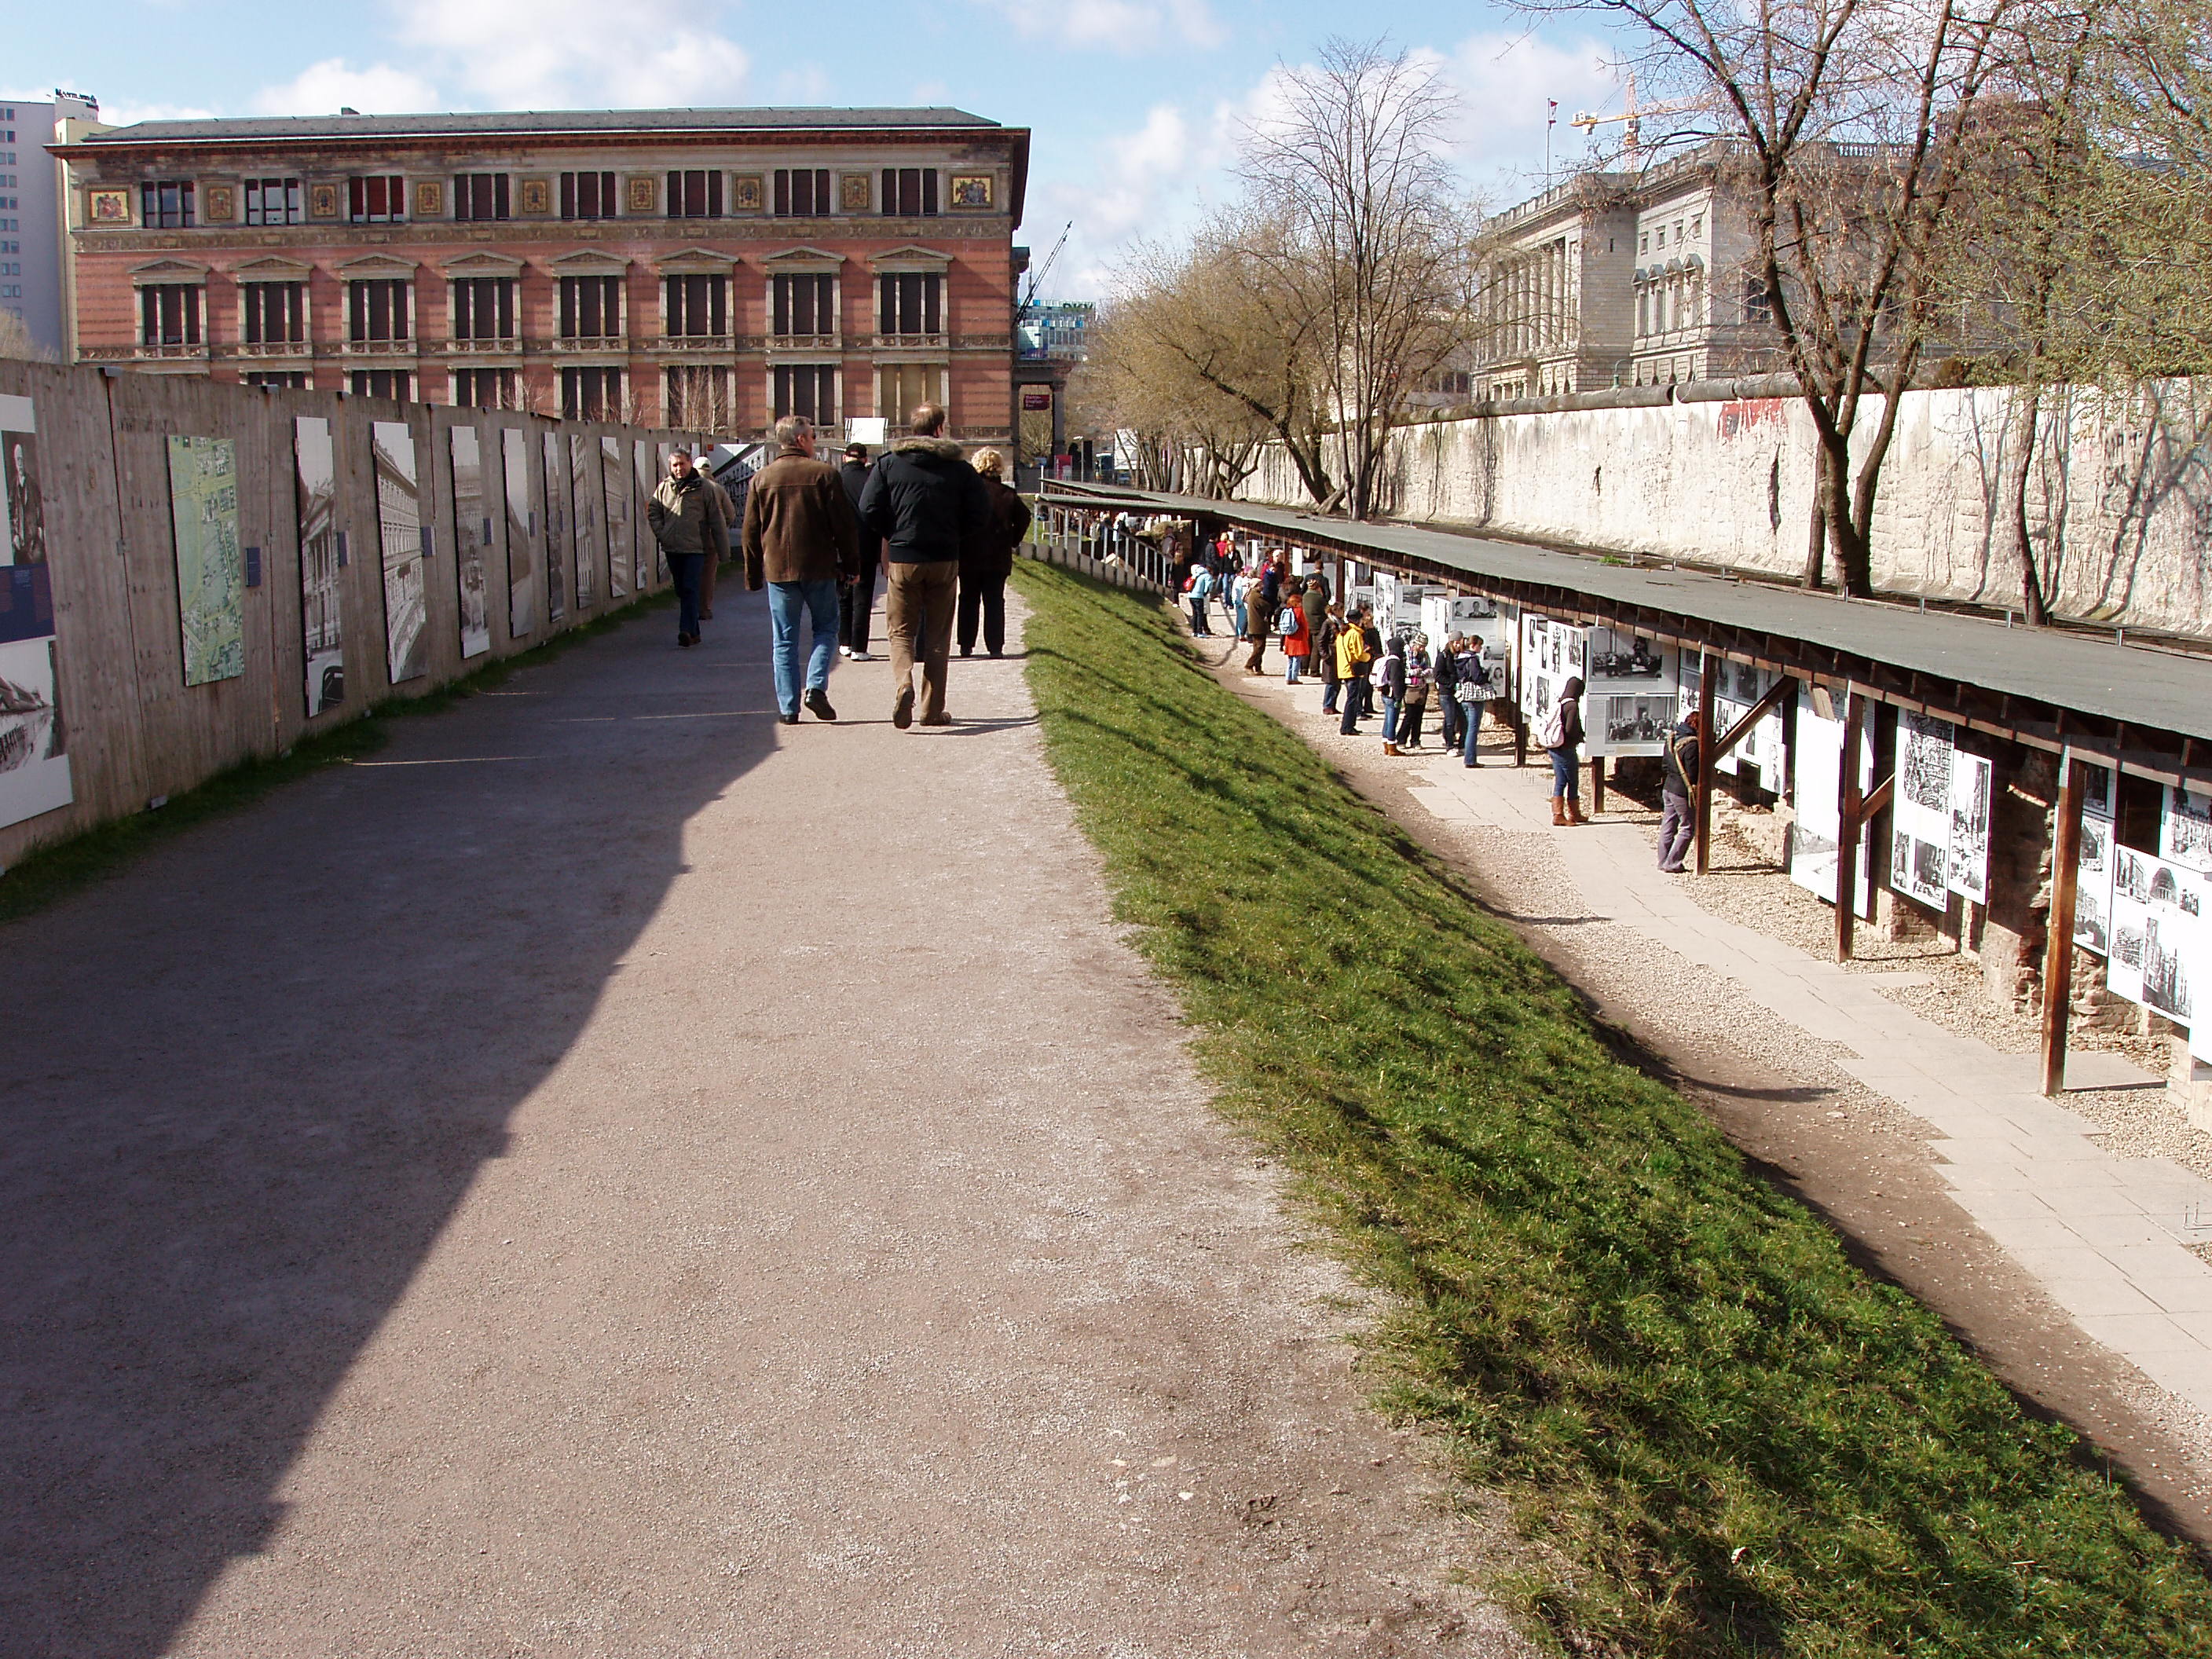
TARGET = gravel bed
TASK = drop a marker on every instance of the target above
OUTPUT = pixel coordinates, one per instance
(2131, 1123)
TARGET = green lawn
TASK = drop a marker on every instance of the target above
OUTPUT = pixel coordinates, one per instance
(1740, 1443)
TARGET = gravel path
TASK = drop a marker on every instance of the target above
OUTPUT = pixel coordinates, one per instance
(619, 1176)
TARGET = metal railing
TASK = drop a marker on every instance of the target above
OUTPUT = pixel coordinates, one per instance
(1099, 546)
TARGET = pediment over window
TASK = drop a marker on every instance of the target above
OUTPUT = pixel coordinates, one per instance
(167, 271)
(910, 258)
(695, 262)
(802, 260)
(373, 267)
(482, 265)
(587, 262)
(273, 269)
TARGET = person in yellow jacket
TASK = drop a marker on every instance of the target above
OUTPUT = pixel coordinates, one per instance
(1352, 657)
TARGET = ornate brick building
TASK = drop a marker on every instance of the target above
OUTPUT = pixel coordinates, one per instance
(700, 267)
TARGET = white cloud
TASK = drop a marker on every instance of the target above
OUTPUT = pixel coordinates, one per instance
(1124, 26)
(531, 54)
(1154, 184)
(1504, 81)
(326, 87)
(550, 54)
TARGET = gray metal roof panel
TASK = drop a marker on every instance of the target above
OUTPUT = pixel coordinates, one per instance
(482, 124)
(2157, 690)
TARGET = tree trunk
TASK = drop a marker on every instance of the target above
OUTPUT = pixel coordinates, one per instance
(1816, 541)
(2031, 579)
(1854, 550)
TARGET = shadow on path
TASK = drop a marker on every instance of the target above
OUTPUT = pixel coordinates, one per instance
(247, 1082)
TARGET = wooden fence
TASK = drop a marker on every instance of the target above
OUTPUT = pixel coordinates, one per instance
(94, 529)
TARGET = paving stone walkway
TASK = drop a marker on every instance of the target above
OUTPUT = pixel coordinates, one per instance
(2107, 1237)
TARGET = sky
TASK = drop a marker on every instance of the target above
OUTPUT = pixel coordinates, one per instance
(1135, 105)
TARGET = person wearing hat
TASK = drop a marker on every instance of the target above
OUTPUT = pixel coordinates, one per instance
(856, 598)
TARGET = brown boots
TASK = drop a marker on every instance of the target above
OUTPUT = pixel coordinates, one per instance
(1575, 811)
(1566, 811)
(1559, 811)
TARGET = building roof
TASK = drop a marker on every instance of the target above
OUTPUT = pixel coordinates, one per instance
(484, 123)
(2149, 689)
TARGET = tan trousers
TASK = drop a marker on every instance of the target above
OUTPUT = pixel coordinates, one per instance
(917, 616)
(706, 580)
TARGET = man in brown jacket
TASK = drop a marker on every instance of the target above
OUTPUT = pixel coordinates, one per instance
(800, 537)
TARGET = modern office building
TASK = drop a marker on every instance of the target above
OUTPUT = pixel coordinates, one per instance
(31, 265)
(703, 267)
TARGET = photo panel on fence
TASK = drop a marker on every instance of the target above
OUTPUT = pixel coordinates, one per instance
(1939, 814)
(34, 766)
(2092, 876)
(1630, 695)
(642, 486)
(2185, 829)
(322, 588)
(471, 540)
(2157, 933)
(402, 540)
(553, 485)
(521, 523)
(1741, 687)
(1552, 653)
(614, 490)
(1817, 753)
(210, 562)
(584, 515)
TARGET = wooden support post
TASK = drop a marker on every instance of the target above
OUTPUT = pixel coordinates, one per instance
(1851, 818)
(1709, 687)
(2058, 947)
(1597, 784)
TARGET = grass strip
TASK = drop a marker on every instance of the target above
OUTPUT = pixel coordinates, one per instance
(1737, 1441)
(51, 872)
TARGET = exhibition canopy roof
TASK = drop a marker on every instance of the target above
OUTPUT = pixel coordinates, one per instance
(2149, 689)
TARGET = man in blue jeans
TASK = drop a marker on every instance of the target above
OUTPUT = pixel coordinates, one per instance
(800, 539)
(686, 518)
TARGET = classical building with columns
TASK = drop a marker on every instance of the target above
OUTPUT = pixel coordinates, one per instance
(700, 267)
(1620, 279)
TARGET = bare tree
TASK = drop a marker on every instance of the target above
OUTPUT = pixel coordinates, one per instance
(1371, 231)
(1848, 126)
(1216, 348)
(16, 343)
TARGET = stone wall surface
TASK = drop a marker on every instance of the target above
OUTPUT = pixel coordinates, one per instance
(2118, 498)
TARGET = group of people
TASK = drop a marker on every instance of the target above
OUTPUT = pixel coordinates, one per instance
(939, 528)
(1360, 665)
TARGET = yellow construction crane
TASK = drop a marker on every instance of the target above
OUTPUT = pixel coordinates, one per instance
(1632, 136)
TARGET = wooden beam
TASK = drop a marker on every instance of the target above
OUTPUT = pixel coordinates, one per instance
(1759, 710)
(2058, 947)
(1709, 687)
(1877, 798)
(1850, 819)
(1597, 783)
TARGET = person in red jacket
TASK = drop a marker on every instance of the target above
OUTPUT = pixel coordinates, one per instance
(1297, 639)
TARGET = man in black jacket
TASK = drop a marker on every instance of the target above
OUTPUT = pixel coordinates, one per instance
(856, 598)
(1678, 777)
(926, 503)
